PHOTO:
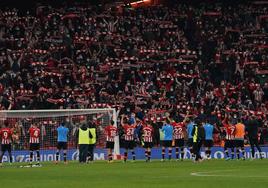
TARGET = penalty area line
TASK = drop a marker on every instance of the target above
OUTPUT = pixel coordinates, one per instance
(214, 174)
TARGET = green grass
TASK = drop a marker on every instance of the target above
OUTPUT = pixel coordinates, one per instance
(214, 173)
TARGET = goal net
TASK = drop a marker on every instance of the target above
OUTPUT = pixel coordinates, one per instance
(48, 121)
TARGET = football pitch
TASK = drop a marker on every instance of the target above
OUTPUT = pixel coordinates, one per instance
(213, 173)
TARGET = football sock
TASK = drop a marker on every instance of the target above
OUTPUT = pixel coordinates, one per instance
(31, 156)
(163, 153)
(125, 156)
(177, 152)
(57, 156)
(169, 153)
(182, 153)
(133, 155)
(65, 157)
(38, 156)
(149, 155)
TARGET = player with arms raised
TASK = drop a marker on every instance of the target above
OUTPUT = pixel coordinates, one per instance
(129, 130)
(34, 132)
(147, 131)
(229, 130)
(178, 136)
(6, 139)
(111, 132)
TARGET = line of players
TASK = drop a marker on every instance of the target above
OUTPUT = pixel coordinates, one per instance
(34, 142)
(174, 134)
(6, 141)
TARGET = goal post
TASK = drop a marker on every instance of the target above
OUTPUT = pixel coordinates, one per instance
(48, 121)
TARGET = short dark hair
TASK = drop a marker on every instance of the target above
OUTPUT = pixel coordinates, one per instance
(198, 121)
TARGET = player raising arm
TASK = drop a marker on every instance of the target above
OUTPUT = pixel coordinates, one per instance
(147, 131)
(229, 130)
(111, 132)
(34, 132)
(178, 136)
(129, 128)
(6, 139)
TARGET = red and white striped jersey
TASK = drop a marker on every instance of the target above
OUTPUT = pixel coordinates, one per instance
(110, 132)
(148, 133)
(129, 132)
(34, 135)
(178, 130)
(5, 134)
(230, 131)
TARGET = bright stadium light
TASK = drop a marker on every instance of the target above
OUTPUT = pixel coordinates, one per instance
(141, 1)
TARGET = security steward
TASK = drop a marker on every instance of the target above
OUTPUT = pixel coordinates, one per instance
(92, 141)
(84, 136)
(198, 134)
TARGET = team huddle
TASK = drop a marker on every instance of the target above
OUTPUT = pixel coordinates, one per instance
(173, 134)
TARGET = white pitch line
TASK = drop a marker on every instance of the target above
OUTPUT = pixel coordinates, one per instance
(208, 173)
(203, 174)
(211, 174)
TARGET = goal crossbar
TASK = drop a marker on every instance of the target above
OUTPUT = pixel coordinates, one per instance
(53, 113)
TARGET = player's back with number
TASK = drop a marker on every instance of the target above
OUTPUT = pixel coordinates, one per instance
(129, 132)
(6, 138)
(6, 135)
(34, 132)
(178, 130)
(111, 132)
(148, 133)
(230, 131)
(34, 135)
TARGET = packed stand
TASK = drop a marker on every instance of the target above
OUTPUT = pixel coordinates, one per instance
(153, 61)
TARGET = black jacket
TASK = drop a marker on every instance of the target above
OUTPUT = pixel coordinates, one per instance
(201, 135)
(252, 128)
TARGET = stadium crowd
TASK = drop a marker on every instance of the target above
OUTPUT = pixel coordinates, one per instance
(153, 61)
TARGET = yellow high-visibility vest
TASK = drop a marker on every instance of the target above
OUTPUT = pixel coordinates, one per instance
(93, 133)
(195, 134)
(83, 136)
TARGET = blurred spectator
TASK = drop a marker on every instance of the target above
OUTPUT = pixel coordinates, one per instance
(148, 60)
